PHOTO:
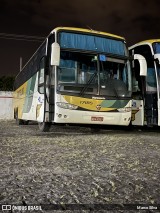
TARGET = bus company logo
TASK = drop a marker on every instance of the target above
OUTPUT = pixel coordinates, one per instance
(98, 107)
(6, 207)
(40, 100)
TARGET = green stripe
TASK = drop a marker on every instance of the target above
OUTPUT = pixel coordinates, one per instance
(29, 94)
(114, 103)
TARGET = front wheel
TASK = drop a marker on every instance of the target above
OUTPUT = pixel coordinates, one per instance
(44, 126)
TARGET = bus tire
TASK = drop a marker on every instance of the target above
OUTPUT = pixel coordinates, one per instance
(25, 122)
(44, 126)
(18, 121)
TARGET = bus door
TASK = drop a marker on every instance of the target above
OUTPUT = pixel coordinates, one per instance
(51, 89)
(40, 109)
(157, 65)
(151, 99)
(145, 90)
(138, 98)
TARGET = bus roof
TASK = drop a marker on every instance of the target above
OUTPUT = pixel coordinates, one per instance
(149, 41)
(87, 31)
(75, 29)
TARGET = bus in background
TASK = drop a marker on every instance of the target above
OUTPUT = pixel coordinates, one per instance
(146, 89)
(77, 76)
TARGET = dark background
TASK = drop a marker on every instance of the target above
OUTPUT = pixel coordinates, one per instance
(135, 20)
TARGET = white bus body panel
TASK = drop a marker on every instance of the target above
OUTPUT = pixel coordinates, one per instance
(86, 117)
(36, 112)
(137, 112)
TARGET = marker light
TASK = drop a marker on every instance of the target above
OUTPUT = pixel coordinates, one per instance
(125, 109)
(66, 105)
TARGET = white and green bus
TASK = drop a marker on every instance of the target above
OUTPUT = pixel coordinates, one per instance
(77, 76)
(146, 89)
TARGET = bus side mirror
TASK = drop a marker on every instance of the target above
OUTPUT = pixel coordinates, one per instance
(142, 64)
(55, 54)
(157, 57)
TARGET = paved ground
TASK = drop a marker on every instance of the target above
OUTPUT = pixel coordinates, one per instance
(72, 165)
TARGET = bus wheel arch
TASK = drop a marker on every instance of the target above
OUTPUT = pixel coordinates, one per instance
(15, 112)
(18, 121)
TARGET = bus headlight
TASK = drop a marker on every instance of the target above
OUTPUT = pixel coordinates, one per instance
(66, 105)
(125, 109)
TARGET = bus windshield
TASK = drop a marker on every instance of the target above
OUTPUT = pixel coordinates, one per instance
(156, 47)
(85, 73)
(115, 78)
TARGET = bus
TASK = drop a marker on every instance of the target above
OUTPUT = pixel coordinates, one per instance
(77, 76)
(146, 89)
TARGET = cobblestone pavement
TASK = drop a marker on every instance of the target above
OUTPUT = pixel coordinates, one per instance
(71, 165)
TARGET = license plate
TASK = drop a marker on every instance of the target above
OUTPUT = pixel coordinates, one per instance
(96, 118)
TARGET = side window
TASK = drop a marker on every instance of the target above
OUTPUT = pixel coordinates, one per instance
(41, 77)
(151, 77)
(156, 47)
(136, 78)
(67, 68)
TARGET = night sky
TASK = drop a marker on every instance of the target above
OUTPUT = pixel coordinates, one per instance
(135, 20)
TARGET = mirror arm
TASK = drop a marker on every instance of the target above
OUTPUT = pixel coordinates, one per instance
(142, 63)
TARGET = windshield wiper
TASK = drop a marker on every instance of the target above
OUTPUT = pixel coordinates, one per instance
(88, 83)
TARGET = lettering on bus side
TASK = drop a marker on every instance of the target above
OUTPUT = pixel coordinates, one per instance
(86, 102)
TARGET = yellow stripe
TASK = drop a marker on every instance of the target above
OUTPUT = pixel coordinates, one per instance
(88, 104)
(149, 41)
(19, 99)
